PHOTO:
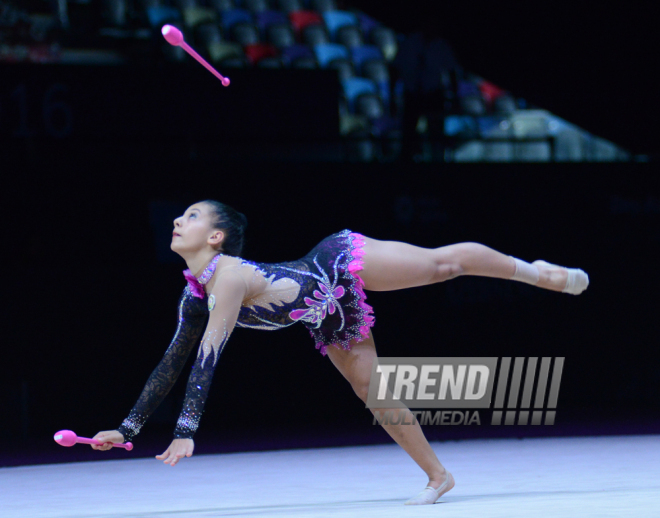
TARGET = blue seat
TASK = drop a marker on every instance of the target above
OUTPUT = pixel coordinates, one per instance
(365, 53)
(326, 52)
(355, 87)
(230, 18)
(296, 52)
(336, 19)
(461, 126)
(366, 24)
(159, 15)
(266, 18)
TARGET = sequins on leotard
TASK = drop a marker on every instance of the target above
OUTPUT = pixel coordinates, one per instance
(322, 290)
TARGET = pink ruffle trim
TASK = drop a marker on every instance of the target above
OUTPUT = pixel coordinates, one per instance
(353, 267)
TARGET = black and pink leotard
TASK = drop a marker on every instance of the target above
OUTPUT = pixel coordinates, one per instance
(323, 290)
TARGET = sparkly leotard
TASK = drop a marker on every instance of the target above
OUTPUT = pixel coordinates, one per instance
(322, 290)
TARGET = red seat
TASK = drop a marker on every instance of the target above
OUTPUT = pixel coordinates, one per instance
(301, 19)
(259, 51)
(490, 91)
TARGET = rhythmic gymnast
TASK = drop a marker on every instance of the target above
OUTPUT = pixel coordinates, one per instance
(325, 292)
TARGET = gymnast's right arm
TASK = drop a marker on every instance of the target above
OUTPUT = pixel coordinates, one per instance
(192, 319)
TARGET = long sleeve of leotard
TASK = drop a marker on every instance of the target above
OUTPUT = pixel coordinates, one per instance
(191, 320)
(229, 291)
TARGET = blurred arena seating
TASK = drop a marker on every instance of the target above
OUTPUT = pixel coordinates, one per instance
(476, 120)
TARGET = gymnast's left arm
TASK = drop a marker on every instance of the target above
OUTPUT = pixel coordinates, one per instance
(229, 291)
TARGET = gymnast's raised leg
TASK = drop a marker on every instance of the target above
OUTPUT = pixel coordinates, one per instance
(394, 265)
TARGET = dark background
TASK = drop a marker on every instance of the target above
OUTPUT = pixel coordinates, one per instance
(93, 176)
(588, 62)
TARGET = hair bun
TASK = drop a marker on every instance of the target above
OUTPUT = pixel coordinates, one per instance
(243, 219)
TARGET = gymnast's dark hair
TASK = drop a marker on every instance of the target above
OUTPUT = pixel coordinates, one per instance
(224, 217)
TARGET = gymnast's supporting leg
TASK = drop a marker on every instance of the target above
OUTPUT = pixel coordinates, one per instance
(355, 366)
(394, 265)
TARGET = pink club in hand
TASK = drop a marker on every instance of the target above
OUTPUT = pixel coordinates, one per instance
(175, 37)
(68, 438)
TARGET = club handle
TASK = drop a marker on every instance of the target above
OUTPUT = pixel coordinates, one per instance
(84, 440)
(191, 51)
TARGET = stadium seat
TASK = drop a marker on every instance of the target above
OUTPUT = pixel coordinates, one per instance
(355, 87)
(489, 91)
(472, 151)
(158, 16)
(289, 6)
(366, 24)
(530, 124)
(256, 6)
(297, 52)
(193, 16)
(187, 4)
(505, 105)
(245, 34)
(272, 62)
(385, 126)
(324, 5)
(336, 19)
(385, 39)
(280, 35)
(305, 63)
(365, 53)
(466, 87)
(532, 151)
(327, 52)
(350, 124)
(257, 52)
(223, 50)
(265, 19)
(222, 5)
(470, 100)
(350, 36)
(315, 35)
(461, 126)
(230, 18)
(493, 126)
(206, 34)
(377, 71)
(236, 62)
(498, 152)
(145, 4)
(344, 67)
(472, 105)
(114, 13)
(301, 19)
(370, 106)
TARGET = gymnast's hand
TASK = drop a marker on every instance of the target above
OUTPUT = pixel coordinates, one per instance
(178, 449)
(107, 437)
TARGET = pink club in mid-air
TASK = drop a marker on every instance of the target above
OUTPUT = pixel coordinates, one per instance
(175, 37)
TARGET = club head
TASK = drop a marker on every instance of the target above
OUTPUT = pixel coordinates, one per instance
(172, 35)
(65, 438)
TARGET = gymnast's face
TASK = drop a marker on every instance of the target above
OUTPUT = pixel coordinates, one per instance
(193, 231)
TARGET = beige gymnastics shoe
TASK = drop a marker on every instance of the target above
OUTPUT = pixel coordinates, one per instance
(576, 282)
(430, 494)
